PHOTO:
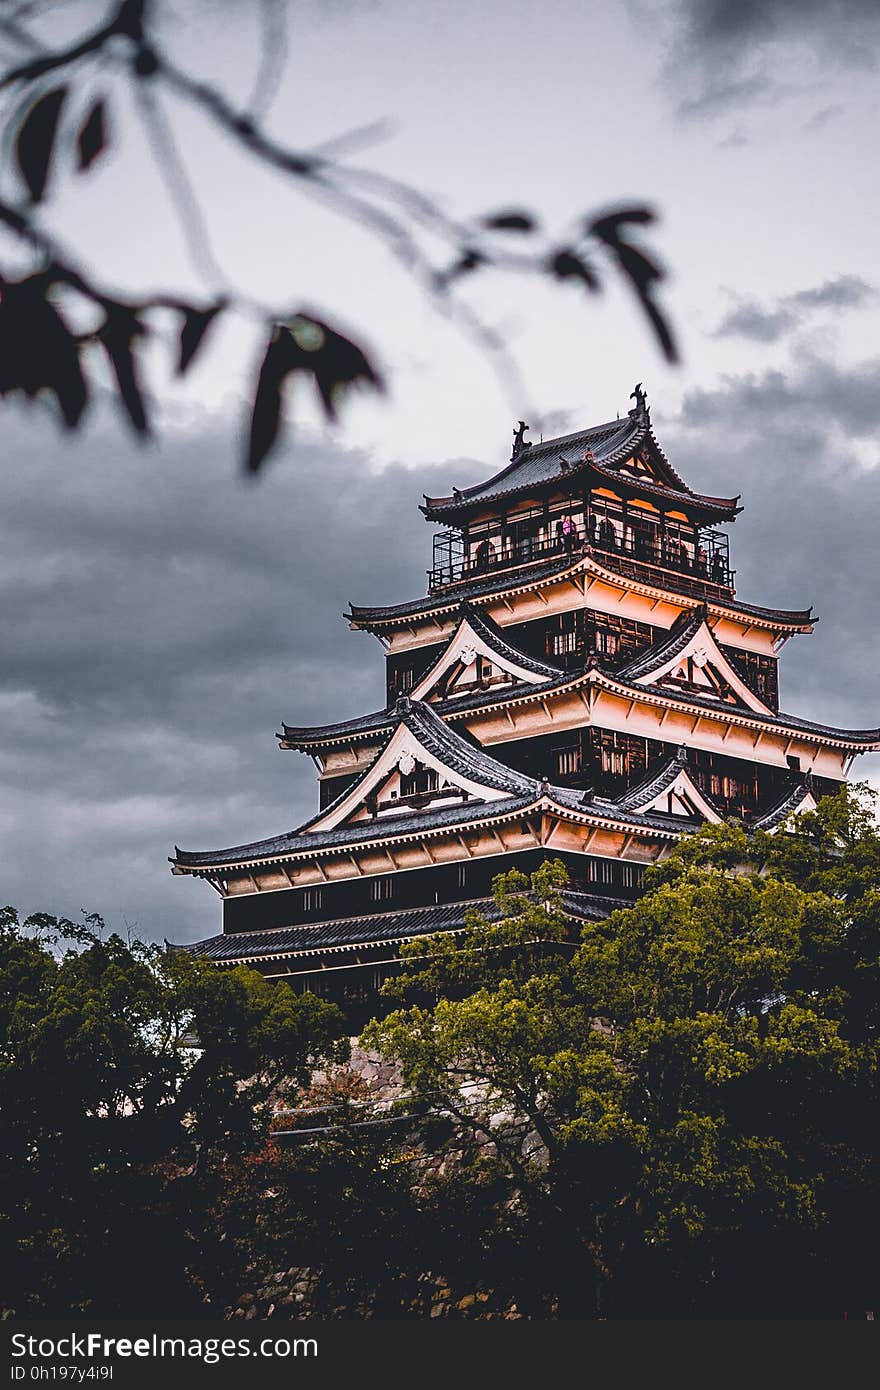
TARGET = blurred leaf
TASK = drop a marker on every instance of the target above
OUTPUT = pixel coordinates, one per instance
(642, 272)
(118, 335)
(266, 413)
(196, 323)
(510, 222)
(566, 265)
(306, 345)
(37, 349)
(609, 225)
(335, 362)
(35, 141)
(92, 138)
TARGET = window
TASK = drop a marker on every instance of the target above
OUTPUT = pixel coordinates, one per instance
(562, 643)
(405, 679)
(462, 875)
(421, 779)
(614, 873)
(630, 875)
(568, 761)
(312, 899)
(601, 871)
(606, 643)
(614, 761)
(381, 890)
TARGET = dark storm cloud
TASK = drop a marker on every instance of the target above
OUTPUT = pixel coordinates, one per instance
(768, 323)
(808, 533)
(722, 52)
(159, 619)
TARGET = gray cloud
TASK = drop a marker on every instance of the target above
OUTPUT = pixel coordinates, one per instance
(160, 618)
(808, 532)
(760, 323)
(724, 51)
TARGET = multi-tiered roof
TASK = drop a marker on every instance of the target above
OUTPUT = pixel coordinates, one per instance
(580, 680)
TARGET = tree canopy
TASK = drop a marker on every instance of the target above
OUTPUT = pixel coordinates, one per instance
(682, 1103)
(133, 1082)
(666, 1113)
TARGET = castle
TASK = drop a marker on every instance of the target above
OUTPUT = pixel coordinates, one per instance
(579, 682)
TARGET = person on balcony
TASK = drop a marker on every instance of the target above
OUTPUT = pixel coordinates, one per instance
(568, 531)
(719, 569)
(484, 556)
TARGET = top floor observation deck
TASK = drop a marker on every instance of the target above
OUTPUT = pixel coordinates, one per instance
(608, 489)
(689, 560)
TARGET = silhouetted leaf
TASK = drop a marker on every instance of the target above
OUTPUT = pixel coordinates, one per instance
(510, 222)
(119, 334)
(610, 224)
(196, 323)
(335, 362)
(92, 138)
(642, 272)
(565, 264)
(306, 345)
(266, 413)
(37, 349)
(35, 141)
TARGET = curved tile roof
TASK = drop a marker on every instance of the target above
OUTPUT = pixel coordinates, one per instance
(686, 625)
(293, 735)
(514, 579)
(496, 639)
(611, 444)
(655, 782)
(361, 832)
(540, 462)
(789, 802)
(377, 928)
(508, 580)
(381, 721)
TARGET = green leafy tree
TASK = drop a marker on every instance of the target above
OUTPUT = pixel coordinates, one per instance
(683, 1106)
(133, 1082)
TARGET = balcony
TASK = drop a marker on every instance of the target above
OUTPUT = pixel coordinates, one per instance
(695, 564)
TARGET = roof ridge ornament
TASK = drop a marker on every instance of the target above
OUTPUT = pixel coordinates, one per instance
(641, 409)
(519, 441)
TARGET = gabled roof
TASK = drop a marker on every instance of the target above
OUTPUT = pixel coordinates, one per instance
(691, 640)
(475, 631)
(476, 634)
(505, 794)
(671, 788)
(799, 797)
(645, 672)
(610, 444)
(349, 933)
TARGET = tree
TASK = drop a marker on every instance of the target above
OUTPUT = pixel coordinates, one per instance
(59, 321)
(682, 1107)
(134, 1083)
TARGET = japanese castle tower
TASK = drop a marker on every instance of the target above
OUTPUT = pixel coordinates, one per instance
(580, 682)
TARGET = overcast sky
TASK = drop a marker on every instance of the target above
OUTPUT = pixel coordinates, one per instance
(160, 618)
